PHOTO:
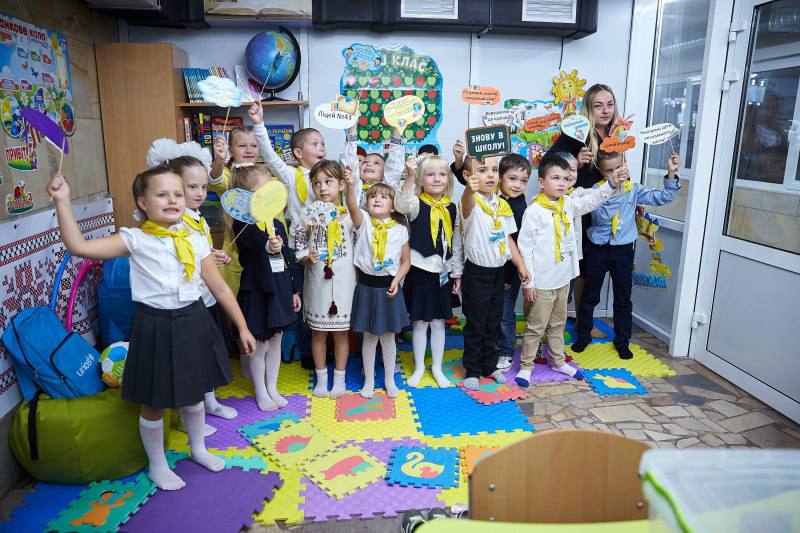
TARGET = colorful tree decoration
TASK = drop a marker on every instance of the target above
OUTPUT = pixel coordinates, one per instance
(376, 76)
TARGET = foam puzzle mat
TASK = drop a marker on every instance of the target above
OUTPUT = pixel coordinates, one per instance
(293, 444)
(407, 363)
(614, 381)
(604, 355)
(424, 467)
(344, 470)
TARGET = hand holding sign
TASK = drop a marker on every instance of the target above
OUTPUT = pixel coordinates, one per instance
(268, 202)
(402, 112)
(236, 202)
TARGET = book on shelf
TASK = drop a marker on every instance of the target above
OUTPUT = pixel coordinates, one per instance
(220, 128)
(193, 76)
(280, 135)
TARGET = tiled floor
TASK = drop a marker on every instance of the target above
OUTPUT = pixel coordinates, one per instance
(694, 409)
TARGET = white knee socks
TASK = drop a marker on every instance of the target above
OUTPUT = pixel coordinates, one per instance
(389, 350)
(437, 352)
(273, 368)
(419, 341)
(213, 407)
(152, 433)
(193, 419)
(258, 369)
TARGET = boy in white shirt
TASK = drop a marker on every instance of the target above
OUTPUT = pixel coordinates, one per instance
(488, 222)
(547, 243)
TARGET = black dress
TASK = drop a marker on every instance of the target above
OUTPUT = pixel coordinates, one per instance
(265, 296)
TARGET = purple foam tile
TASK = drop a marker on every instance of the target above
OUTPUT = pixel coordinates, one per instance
(541, 373)
(380, 498)
(210, 501)
(227, 435)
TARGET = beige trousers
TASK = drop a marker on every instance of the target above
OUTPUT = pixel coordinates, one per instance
(546, 316)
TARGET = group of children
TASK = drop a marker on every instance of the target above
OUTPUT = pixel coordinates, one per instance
(356, 250)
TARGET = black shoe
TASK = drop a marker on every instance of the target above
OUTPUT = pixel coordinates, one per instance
(437, 513)
(411, 521)
(579, 346)
(623, 351)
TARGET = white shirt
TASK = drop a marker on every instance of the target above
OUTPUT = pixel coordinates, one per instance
(205, 293)
(397, 236)
(408, 204)
(286, 174)
(479, 229)
(536, 240)
(157, 274)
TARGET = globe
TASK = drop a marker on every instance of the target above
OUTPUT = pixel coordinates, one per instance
(272, 59)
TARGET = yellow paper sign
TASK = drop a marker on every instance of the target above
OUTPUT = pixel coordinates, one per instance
(268, 202)
(403, 111)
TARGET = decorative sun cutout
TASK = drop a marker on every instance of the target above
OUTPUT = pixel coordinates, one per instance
(567, 88)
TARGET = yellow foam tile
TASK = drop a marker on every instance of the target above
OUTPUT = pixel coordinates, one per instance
(407, 362)
(343, 471)
(293, 379)
(178, 441)
(285, 504)
(603, 355)
(294, 444)
(497, 439)
(403, 425)
(455, 496)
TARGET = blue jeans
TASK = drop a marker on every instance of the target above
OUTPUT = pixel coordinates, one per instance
(508, 324)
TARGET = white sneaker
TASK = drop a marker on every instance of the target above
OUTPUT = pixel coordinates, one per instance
(504, 362)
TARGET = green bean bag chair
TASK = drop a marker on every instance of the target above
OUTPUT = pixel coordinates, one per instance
(79, 440)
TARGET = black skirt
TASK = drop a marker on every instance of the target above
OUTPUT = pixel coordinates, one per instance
(221, 320)
(175, 356)
(425, 299)
(268, 314)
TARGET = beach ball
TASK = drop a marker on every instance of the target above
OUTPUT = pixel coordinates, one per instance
(112, 363)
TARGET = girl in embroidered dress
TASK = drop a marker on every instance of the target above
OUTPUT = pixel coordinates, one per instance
(176, 352)
(382, 259)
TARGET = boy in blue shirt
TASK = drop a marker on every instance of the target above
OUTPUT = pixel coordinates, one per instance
(609, 247)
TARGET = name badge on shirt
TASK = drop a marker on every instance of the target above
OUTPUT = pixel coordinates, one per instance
(496, 235)
(323, 254)
(188, 292)
(380, 267)
(276, 262)
(444, 277)
(568, 243)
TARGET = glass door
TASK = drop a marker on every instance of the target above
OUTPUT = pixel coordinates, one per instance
(747, 309)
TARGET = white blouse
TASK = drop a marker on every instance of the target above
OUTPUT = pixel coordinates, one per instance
(362, 257)
(157, 274)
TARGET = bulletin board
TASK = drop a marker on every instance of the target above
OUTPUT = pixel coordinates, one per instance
(34, 74)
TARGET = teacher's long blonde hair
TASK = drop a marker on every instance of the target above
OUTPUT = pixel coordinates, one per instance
(587, 111)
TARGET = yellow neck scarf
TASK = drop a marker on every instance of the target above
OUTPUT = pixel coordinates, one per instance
(300, 185)
(183, 246)
(380, 236)
(440, 217)
(198, 226)
(365, 186)
(335, 235)
(560, 219)
(627, 186)
(503, 210)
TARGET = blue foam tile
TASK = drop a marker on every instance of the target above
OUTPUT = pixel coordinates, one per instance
(613, 381)
(451, 411)
(41, 506)
(354, 374)
(423, 467)
(607, 330)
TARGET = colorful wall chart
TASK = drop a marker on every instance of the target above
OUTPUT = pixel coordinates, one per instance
(378, 75)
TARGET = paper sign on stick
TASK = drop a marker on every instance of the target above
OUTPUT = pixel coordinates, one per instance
(658, 133)
(47, 127)
(267, 202)
(330, 117)
(576, 126)
(236, 202)
(220, 91)
(620, 140)
(488, 141)
(404, 111)
(480, 95)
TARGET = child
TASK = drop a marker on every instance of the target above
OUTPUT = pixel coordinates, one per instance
(488, 221)
(436, 259)
(382, 257)
(547, 243)
(361, 154)
(376, 169)
(190, 161)
(427, 150)
(457, 166)
(176, 353)
(326, 251)
(610, 247)
(243, 148)
(514, 173)
(267, 295)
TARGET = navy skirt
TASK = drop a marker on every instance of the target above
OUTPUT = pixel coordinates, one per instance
(373, 311)
(425, 299)
(267, 314)
(175, 356)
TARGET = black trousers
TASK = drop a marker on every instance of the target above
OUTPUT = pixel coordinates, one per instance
(617, 260)
(482, 303)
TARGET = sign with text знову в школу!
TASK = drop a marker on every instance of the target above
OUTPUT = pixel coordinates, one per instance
(488, 141)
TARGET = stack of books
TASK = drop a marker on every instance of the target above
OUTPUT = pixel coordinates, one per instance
(193, 76)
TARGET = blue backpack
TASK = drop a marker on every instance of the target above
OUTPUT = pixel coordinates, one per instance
(115, 302)
(46, 356)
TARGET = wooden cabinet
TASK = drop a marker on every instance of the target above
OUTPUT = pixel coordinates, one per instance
(141, 88)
